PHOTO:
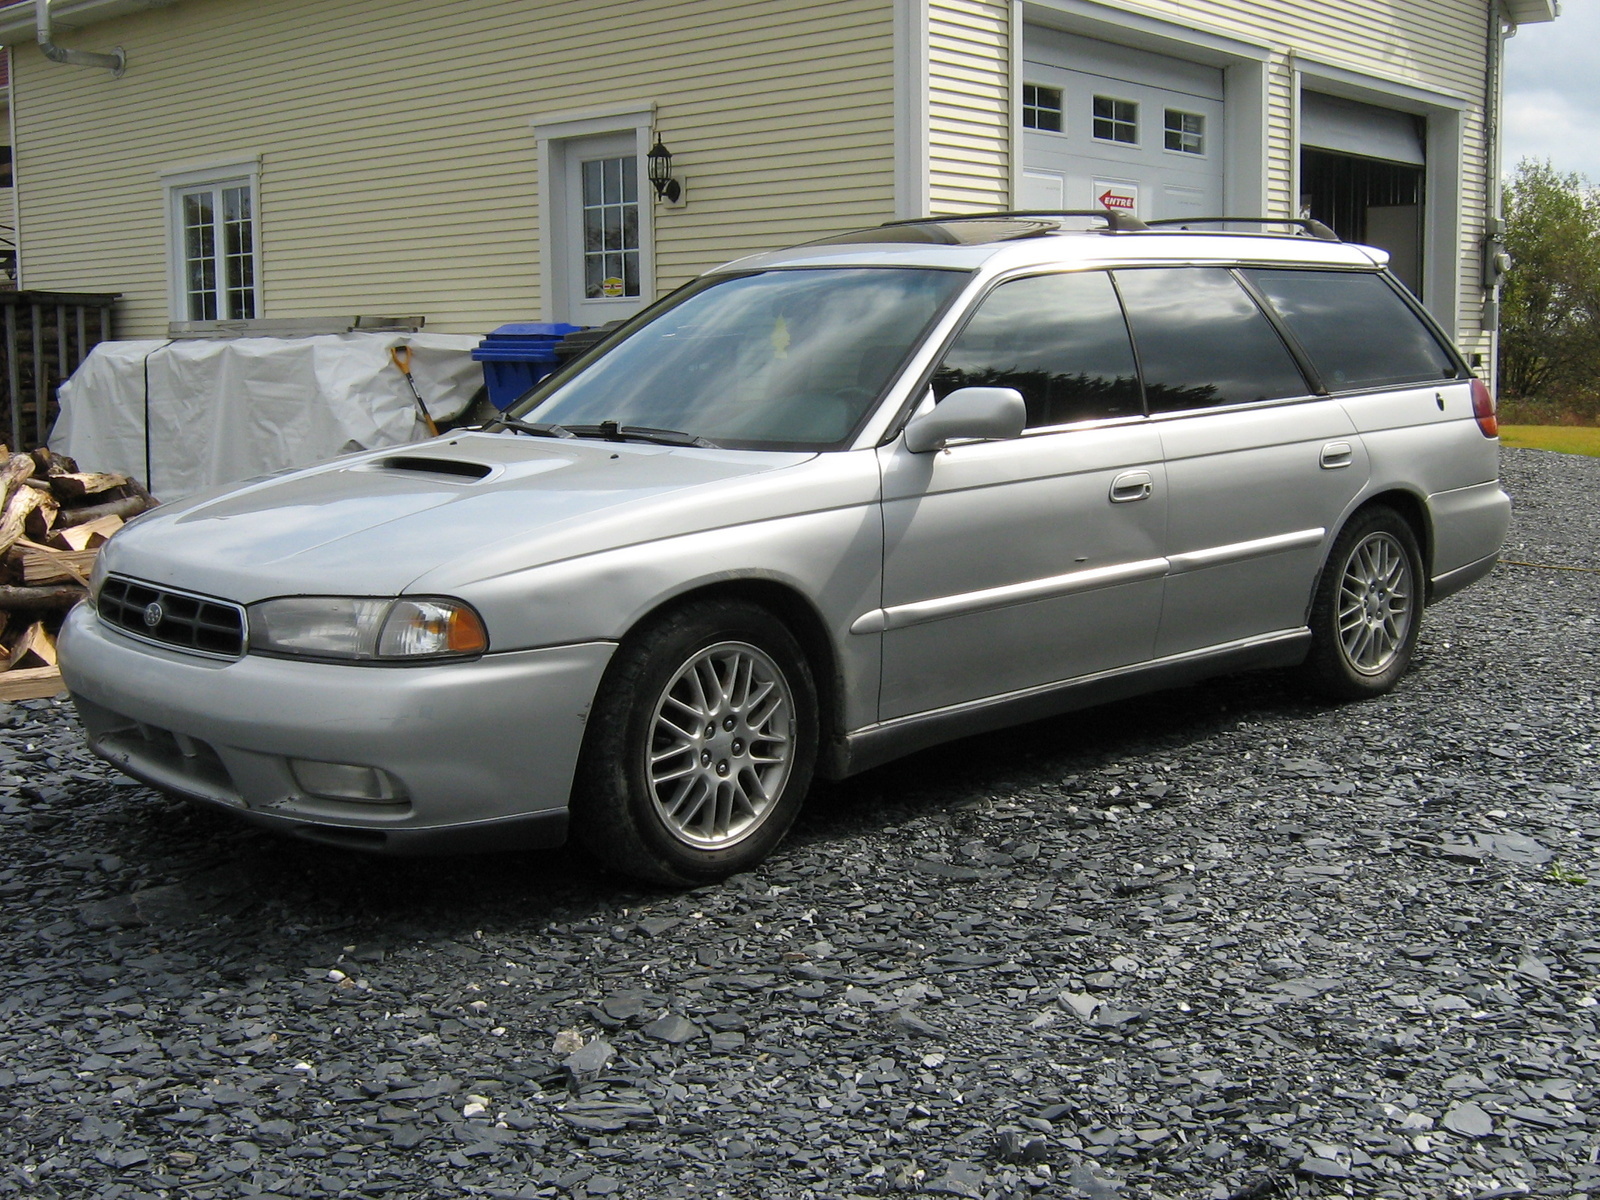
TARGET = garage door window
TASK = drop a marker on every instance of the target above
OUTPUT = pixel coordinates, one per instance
(1041, 107)
(1202, 341)
(1060, 340)
(1356, 330)
(1116, 120)
(1186, 132)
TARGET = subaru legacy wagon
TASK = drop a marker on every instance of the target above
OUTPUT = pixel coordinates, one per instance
(813, 511)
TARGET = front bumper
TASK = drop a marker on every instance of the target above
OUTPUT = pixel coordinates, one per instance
(483, 752)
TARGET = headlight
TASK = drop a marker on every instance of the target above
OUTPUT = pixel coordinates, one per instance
(361, 628)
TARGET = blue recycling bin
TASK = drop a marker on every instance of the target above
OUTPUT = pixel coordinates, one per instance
(519, 355)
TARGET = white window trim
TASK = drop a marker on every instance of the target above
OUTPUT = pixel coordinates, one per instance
(913, 171)
(1443, 114)
(556, 128)
(202, 173)
(1244, 81)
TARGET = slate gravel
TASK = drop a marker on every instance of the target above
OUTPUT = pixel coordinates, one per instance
(1223, 943)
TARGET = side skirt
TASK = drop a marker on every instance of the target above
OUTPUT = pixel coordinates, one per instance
(877, 744)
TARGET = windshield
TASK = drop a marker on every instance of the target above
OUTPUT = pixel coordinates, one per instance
(790, 359)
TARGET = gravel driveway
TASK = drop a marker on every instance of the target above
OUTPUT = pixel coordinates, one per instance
(1218, 943)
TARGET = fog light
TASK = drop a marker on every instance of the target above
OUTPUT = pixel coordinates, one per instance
(344, 781)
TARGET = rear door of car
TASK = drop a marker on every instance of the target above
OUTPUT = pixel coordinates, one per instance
(1259, 468)
(1017, 563)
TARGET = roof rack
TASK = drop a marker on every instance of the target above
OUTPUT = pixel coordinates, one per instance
(1116, 220)
(1315, 228)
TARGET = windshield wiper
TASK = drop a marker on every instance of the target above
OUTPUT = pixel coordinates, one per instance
(537, 430)
(614, 432)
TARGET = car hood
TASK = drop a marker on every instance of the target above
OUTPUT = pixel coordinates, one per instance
(374, 523)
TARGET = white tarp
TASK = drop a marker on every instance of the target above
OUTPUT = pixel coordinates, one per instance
(229, 408)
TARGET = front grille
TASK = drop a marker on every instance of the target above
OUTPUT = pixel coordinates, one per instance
(174, 619)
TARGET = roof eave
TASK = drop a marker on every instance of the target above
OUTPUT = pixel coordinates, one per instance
(1531, 12)
(17, 23)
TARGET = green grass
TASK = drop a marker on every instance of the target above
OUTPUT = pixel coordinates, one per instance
(1564, 439)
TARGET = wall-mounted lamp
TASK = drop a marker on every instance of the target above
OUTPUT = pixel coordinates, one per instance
(667, 188)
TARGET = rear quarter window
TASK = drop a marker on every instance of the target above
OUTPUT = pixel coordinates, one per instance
(1355, 328)
(1201, 340)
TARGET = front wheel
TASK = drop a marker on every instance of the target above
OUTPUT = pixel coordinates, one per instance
(1367, 609)
(700, 746)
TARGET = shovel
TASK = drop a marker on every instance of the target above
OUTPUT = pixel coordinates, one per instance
(401, 357)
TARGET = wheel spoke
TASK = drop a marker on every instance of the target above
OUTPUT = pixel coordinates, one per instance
(721, 745)
(1373, 613)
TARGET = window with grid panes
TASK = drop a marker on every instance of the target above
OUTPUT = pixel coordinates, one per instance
(611, 227)
(1041, 107)
(1116, 120)
(217, 249)
(1186, 132)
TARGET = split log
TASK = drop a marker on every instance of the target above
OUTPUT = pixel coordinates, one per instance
(128, 506)
(37, 683)
(86, 537)
(17, 511)
(76, 486)
(37, 524)
(50, 597)
(17, 468)
(46, 564)
(35, 648)
(50, 463)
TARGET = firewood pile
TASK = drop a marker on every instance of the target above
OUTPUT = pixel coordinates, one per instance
(53, 521)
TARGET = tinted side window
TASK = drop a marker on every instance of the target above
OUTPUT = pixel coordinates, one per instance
(1356, 330)
(1202, 340)
(1060, 340)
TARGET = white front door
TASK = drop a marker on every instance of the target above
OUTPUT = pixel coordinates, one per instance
(602, 254)
(1111, 127)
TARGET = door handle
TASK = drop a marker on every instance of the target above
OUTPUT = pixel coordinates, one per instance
(1336, 455)
(1131, 486)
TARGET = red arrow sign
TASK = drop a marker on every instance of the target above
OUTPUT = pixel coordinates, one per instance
(1110, 199)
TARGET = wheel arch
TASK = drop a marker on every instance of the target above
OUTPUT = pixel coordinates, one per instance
(802, 619)
(1412, 509)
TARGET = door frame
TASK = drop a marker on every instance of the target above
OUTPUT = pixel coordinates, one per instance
(556, 133)
(1443, 155)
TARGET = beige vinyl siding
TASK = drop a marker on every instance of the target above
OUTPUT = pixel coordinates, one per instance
(969, 105)
(1435, 45)
(398, 165)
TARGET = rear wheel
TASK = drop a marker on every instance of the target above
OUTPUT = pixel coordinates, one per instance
(1367, 609)
(700, 746)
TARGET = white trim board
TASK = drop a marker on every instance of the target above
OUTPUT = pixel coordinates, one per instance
(554, 130)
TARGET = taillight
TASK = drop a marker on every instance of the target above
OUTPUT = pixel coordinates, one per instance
(1483, 409)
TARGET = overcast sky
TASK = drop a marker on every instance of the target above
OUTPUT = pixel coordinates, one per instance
(1553, 91)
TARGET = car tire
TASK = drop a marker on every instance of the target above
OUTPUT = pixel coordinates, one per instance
(700, 745)
(1367, 609)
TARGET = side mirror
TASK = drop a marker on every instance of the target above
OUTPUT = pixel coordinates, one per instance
(970, 412)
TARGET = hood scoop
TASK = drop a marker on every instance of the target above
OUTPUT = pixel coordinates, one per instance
(453, 469)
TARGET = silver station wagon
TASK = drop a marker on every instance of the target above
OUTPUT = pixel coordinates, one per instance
(815, 510)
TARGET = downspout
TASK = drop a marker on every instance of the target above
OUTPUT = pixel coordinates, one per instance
(1494, 260)
(115, 62)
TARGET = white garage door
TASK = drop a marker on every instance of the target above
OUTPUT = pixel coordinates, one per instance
(1108, 126)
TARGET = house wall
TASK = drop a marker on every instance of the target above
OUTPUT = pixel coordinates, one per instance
(398, 167)
(969, 104)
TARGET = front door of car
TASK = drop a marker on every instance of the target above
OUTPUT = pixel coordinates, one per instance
(1017, 563)
(1259, 472)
